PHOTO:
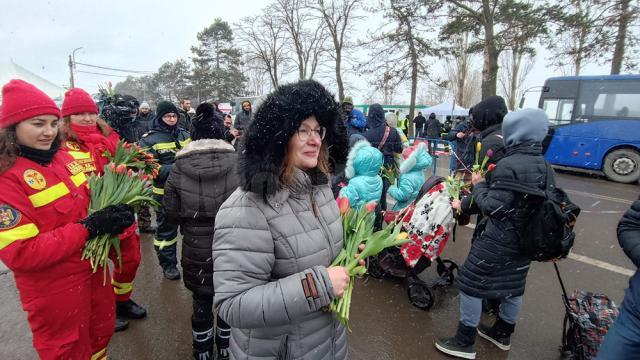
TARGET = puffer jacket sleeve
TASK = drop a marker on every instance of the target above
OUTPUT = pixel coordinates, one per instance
(405, 190)
(351, 193)
(243, 260)
(629, 233)
(171, 200)
(493, 202)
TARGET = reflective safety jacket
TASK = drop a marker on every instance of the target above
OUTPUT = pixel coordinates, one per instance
(164, 145)
(41, 240)
(89, 149)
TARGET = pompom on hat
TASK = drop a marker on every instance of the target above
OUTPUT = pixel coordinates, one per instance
(78, 101)
(22, 101)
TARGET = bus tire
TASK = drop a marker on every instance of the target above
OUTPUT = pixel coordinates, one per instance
(622, 165)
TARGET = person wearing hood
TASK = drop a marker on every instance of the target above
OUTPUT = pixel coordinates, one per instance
(243, 117)
(87, 138)
(163, 141)
(277, 235)
(353, 118)
(495, 267)
(44, 227)
(363, 172)
(384, 138)
(201, 179)
(411, 178)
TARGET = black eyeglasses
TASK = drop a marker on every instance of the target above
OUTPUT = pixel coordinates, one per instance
(304, 132)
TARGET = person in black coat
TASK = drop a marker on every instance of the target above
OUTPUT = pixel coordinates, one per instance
(203, 176)
(420, 122)
(384, 138)
(495, 267)
(463, 138)
(433, 129)
(622, 341)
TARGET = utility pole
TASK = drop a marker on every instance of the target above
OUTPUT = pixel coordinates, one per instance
(72, 65)
(71, 83)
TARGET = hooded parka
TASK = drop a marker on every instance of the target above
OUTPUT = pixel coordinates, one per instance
(273, 242)
(411, 177)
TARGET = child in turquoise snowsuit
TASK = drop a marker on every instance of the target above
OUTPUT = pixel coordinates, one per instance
(411, 178)
(363, 171)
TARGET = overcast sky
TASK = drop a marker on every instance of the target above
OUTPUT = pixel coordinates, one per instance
(136, 34)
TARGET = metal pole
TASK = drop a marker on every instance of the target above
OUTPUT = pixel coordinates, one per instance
(71, 83)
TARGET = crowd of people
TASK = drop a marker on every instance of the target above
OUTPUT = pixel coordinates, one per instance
(255, 199)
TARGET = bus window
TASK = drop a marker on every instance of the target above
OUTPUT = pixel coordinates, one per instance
(558, 110)
(609, 99)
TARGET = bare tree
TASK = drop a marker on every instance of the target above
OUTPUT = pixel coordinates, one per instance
(399, 46)
(307, 35)
(458, 67)
(338, 17)
(263, 40)
(258, 81)
(516, 65)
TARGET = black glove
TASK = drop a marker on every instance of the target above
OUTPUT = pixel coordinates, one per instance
(112, 220)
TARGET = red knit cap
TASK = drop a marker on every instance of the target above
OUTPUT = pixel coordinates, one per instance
(77, 101)
(22, 101)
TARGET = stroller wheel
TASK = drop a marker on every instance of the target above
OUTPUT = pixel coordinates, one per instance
(447, 270)
(419, 293)
(373, 267)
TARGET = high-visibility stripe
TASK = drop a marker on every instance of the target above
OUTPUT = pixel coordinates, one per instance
(121, 288)
(78, 179)
(157, 190)
(78, 155)
(164, 146)
(185, 142)
(49, 195)
(22, 232)
(164, 243)
(99, 355)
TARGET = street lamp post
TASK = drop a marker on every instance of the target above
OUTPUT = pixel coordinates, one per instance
(72, 65)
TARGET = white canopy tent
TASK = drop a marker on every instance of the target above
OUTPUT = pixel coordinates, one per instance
(10, 70)
(444, 109)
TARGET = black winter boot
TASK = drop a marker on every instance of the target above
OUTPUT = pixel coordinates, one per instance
(499, 334)
(203, 344)
(129, 309)
(223, 333)
(121, 324)
(461, 345)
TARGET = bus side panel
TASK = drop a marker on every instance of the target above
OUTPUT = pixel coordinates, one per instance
(584, 145)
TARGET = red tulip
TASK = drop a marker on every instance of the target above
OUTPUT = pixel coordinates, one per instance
(371, 206)
(343, 205)
(491, 167)
(121, 168)
(112, 166)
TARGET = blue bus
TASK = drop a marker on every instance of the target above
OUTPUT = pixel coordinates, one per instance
(594, 124)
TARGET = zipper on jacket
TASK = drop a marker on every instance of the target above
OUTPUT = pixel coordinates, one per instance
(323, 226)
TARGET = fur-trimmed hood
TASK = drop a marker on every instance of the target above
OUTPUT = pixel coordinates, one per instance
(206, 158)
(418, 160)
(275, 121)
(363, 160)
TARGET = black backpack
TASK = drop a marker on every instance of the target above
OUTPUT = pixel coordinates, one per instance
(549, 234)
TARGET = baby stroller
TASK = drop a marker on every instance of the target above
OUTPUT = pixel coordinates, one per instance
(429, 222)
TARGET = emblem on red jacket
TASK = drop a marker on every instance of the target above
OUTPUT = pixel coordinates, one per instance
(34, 179)
(9, 217)
(73, 145)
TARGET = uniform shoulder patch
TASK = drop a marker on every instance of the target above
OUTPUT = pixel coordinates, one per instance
(9, 217)
(34, 179)
(74, 167)
(72, 145)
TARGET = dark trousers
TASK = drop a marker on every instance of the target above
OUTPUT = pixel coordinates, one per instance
(203, 328)
(165, 241)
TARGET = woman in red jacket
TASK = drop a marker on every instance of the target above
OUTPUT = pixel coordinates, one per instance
(86, 138)
(43, 229)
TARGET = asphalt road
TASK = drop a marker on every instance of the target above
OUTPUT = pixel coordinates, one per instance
(384, 325)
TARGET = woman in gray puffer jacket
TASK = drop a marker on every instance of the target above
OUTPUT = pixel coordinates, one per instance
(201, 179)
(276, 236)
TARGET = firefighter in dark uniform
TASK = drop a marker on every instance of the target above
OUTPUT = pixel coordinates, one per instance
(163, 141)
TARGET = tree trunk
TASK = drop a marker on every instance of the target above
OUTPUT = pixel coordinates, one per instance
(621, 37)
(490, 66)
(515, 70)
(339, 74)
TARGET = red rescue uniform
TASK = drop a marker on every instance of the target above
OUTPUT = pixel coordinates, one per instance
(70, 312)
(88, 152)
